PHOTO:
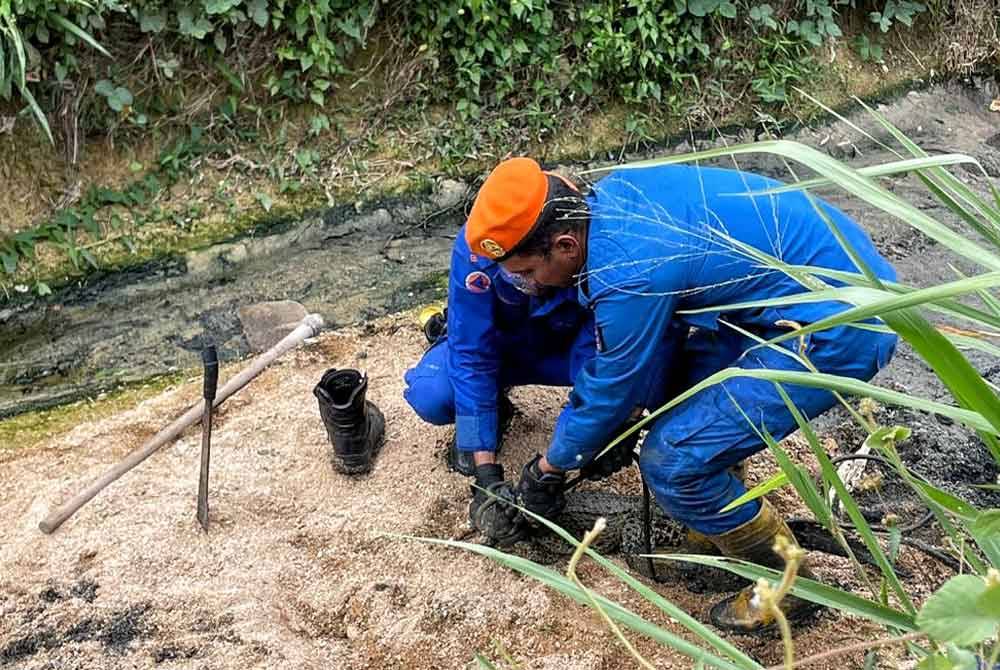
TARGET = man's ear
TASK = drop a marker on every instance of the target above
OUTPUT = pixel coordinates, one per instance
(567, 244)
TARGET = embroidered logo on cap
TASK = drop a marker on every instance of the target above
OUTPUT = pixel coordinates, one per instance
(492, 248)
(477, 282)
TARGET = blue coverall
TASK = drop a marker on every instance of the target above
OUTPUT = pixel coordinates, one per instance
(662, 241)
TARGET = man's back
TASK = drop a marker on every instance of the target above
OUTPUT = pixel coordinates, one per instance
(689, 232)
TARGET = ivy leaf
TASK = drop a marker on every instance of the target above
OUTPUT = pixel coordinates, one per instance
(152, 22)
(258, 12)
(104, 87)
(219, 6)
(191, 26)
(953, 613)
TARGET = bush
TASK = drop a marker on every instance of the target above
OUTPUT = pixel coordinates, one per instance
(485, 54)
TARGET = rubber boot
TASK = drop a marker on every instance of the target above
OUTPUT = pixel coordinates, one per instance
(753, 541)
(462, 461)
(355, 426)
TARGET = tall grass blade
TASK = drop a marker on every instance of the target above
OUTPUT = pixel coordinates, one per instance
(705, 633)
(560, 583)
(945, 178)
(37, 112)
(772, 483)
(882, 170)
(848, 179)
(807, 589)
(68, 25)
(844, 385)
(861, 526)
(14, 36)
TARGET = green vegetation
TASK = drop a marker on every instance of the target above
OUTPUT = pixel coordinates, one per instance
(440, 85)
(25, 431)
(959, 623)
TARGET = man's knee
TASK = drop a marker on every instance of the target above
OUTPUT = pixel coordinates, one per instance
(430, 395)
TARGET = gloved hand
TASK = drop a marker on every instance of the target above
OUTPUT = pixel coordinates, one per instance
(493, 515)
(540, 492)
(619, 457)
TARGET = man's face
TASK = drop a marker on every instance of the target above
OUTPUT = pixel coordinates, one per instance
(536, 273)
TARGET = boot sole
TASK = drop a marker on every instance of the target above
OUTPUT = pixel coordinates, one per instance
(799, 617)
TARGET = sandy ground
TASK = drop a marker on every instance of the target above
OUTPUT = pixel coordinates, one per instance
(294, 572)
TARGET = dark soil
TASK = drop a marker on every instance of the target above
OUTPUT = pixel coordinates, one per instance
(44, 626)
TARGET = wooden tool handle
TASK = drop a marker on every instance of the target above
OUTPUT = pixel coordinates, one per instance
(309, 327)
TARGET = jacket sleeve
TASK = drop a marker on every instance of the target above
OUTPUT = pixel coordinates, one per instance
(632, 319)
(473, 353)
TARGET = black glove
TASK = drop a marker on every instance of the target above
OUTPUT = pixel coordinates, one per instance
(540, 492)
(619, 457)
(493, 515)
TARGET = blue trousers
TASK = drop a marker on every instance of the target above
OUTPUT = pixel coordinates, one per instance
(428, 385)
(688, 450)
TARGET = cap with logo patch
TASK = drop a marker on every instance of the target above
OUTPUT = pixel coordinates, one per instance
(507, 207)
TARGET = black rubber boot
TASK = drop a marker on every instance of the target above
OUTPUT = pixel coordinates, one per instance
(461, 461)
(355, 426)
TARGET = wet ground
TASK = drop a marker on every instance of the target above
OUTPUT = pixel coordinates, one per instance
(352, 265)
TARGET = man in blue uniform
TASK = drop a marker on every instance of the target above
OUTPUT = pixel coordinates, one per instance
(651, 252)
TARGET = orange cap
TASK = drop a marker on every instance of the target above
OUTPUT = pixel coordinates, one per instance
(506, 208)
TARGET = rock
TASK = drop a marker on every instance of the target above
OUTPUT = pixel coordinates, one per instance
(266, 323)
(449, 193)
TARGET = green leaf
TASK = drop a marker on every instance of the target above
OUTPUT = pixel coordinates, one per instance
(987, 523)
(484, 664)
(191, 26)
(104, 87)
(71, 27)
(265, 201)
(772, 483)
(952, 613)
(953, 659)
(560, 583)
(807, 589)
(9, 259)
(152, 21)
(39, 115)
(258, 12)
(89, 258)
(42, 289)
(219, 6)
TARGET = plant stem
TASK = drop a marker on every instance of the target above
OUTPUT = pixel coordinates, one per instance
(588, 538)
(860, 646)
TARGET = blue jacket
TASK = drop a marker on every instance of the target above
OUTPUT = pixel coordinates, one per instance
(490, 321)
(669, 238)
